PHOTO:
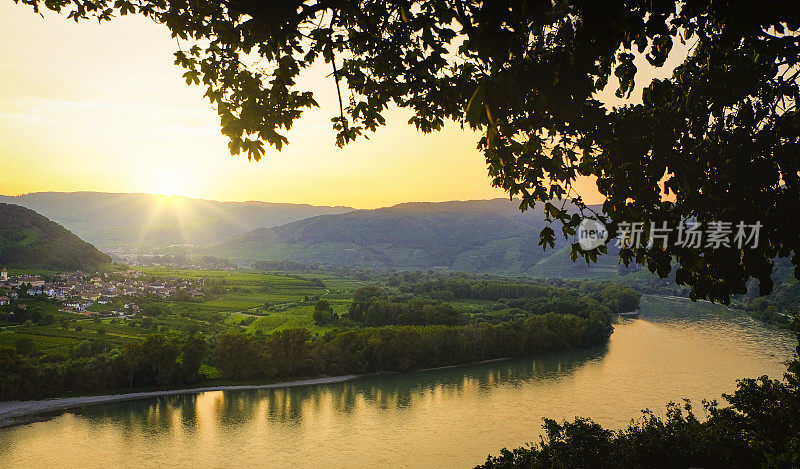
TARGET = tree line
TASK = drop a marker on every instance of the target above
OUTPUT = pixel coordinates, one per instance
(294, 353)
(158, 361)
(94, 366)
(575, 297)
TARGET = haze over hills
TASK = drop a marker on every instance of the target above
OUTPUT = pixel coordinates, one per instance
(29, 240)
(487, 236)
(111, 220)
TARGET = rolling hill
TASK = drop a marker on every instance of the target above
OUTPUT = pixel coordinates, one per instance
(144, 220)
(29, 240)
(488, 236)
(479, 236)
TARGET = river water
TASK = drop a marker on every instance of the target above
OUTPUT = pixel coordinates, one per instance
(450, 417)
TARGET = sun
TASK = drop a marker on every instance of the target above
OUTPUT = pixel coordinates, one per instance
(171, 184)
(171, 177)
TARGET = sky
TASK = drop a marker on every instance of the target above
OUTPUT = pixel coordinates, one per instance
(101, 107)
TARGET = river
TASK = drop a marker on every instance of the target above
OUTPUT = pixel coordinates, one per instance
(450, 417)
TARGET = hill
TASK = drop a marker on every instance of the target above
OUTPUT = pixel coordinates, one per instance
(29, 240)
(479, 236)
(490, 236)
(144, 220)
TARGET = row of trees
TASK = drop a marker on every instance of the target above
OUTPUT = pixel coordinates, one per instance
(582, 298)
(95, 367)
(158, 361)
(466, 289)
(295, 352)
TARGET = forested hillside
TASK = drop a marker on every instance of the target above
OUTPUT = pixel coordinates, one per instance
(483, 236)
(478, 236)
(30, 240)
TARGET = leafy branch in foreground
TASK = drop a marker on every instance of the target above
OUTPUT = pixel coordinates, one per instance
(718, 140)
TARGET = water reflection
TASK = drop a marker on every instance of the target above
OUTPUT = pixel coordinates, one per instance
(288, 405)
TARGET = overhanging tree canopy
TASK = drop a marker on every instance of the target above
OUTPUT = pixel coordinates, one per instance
(719, 139)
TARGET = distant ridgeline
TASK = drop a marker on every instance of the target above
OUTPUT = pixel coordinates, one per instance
(486, 236)
(149, 221)
(478, 236)
(29, 240)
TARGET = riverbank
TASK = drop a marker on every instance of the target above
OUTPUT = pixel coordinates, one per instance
(19, 412)
(14, 412)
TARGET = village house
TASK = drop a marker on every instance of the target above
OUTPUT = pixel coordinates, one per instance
(3, 275)
(33, 280)
(76, 291)
(90, 295)
(4, 300)
(79, 305)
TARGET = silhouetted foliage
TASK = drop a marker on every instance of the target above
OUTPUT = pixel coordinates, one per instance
(720, 134)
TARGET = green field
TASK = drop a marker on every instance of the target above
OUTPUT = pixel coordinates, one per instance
(252, 301)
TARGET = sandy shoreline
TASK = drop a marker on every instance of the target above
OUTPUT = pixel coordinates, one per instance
(12, 411)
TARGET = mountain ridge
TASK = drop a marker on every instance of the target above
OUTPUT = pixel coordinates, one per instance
(142, 220)
(477, 235)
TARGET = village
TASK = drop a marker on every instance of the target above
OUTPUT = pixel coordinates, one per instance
(77, 291)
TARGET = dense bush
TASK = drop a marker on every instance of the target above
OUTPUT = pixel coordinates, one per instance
(323, 313)
(373, 307)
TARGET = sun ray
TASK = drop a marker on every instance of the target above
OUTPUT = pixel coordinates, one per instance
(147, 226)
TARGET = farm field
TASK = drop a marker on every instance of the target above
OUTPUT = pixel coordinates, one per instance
(242, 300)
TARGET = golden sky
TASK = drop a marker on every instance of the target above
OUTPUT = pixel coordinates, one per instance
(102, 108)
